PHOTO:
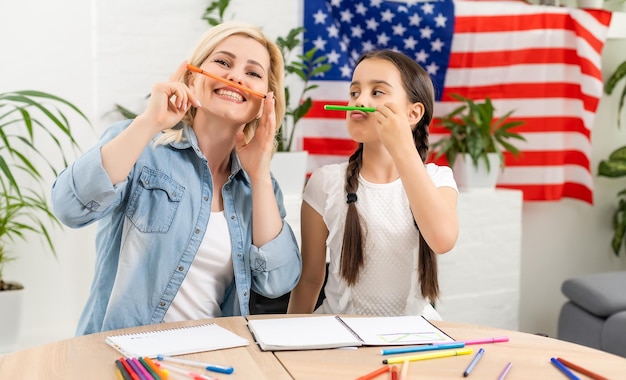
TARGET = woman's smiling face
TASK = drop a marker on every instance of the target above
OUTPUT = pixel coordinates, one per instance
(239, 59)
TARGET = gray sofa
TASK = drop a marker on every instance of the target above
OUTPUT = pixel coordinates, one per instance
(595, 315)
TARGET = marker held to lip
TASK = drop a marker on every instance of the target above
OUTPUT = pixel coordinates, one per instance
(225, 81)
(331, 107)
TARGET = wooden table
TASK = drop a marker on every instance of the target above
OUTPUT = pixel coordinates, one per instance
(88, 357)
(529, 354)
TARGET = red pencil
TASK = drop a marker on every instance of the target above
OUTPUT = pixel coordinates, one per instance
(394, 372)
(582, 370)
(129, 369)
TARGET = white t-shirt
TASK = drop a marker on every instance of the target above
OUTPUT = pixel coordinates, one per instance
(388, 283)
(211, 271)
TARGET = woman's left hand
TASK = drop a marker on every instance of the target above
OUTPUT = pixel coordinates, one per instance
(255, 156)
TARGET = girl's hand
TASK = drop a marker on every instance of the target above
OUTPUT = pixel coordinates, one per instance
(169, 101)
(256, 155)
(393, 128)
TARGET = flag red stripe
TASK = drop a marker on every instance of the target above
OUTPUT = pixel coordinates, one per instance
(549, 158)
(317, 110)
(527, 22)
(553, 192)
(329, 146)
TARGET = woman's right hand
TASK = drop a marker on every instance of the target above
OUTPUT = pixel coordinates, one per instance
(169, 101)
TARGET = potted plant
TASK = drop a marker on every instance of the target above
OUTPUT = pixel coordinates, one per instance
(615, 166)
(610, 84)
(477, 136)
(27, 118)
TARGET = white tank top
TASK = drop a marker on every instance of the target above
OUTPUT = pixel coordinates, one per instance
(211, 272)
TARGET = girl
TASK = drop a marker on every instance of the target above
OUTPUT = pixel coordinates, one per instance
(384, 214)
(190, 218)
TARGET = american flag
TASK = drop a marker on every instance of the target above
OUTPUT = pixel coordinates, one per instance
(542, 62)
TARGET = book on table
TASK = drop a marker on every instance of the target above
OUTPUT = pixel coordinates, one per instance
(176, 341)
(333, 331)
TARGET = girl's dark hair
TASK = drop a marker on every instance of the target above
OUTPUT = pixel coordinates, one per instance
(419, 88)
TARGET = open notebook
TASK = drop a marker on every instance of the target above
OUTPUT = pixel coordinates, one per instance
(176, 341)
(330, 331)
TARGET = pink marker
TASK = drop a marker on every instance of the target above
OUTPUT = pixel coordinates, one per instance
(497, 339)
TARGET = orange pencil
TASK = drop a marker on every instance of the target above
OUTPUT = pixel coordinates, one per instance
(375, 373)
(230, 83)
(582, 370)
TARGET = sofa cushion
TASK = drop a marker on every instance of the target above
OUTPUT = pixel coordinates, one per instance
(601, 294)
(579, 326)
(614, 334)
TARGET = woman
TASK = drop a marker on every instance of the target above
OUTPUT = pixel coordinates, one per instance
(190, 217)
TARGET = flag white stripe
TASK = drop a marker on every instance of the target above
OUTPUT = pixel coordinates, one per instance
(545, 175)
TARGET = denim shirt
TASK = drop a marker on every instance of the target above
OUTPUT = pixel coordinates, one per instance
(150, 228)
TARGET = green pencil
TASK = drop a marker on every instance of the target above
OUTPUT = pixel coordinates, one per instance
(330, 107)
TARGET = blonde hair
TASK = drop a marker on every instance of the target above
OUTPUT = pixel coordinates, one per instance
(205, 47)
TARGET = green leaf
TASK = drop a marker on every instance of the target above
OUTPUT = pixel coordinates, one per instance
(29, 116)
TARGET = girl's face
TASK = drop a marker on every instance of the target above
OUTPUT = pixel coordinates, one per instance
(374, 82)
(239, 59)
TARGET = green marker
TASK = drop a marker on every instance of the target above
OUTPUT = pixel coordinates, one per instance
(329, 107)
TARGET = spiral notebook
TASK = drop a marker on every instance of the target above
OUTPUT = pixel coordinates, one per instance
(330, 331)
(177, 341)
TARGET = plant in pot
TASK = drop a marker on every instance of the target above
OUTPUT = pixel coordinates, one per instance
(476, 141)
(27, 118)
(615, 166)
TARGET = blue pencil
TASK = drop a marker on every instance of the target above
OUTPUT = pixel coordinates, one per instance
(564, 369)
(427, 347)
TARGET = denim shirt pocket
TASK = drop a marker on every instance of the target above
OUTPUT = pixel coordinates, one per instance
(154, 202)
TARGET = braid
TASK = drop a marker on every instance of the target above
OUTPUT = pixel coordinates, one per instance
(352, 248)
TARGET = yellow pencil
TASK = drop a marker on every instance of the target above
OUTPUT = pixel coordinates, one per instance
(429, 355)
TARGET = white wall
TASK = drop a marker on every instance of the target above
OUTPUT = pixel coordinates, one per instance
(99, 53)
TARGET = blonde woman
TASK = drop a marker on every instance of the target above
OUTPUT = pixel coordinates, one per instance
(190, 219)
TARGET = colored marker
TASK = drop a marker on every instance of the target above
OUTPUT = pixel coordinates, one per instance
(375, 373)
(153, 374)
(473, 363)
(430, 355)
(582, 370)
(394, 372)
(207, 366)
(330, 107)
(564, 369)
(129, 369)
(497, 339)
(226, 81)
(193, 375)
(405, 370)
(142, 371)
(154, 367)
(505, 371)
(427, 347)
(122, 370)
